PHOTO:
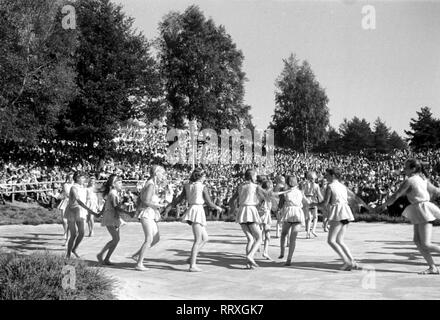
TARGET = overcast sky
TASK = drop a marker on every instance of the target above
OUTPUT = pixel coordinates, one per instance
(388, 72)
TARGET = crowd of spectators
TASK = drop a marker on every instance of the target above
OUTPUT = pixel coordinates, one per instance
(371, 176)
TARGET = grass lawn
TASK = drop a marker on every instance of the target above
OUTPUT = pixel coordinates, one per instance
(33, 214)
(24, 213)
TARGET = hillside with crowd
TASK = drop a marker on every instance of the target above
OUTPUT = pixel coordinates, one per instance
(38, 173)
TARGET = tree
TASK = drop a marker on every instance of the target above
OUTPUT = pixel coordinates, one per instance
(202, 72)
(356, 135)
(425, 132)
(381, 136)
(36, 67)
(116, 74)
(301, 113)
(396, 142)
(332, 142)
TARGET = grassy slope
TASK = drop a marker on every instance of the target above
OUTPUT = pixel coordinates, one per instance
(20, 213)
(27, 214)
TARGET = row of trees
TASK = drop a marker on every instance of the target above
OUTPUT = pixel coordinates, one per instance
(301, 119)
(356, 135)
(425, 131)
(80, 84)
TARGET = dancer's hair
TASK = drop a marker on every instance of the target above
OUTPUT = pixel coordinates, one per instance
(266, 184)
(90, 180)
(311, 174)
(417, 165)
(109, 184)
(155, 169)
(69, 177)
(261, 179)
(334, 172)
(280, 179)
(291, 181)
(77, 175)
(197, 174)
(248, 174)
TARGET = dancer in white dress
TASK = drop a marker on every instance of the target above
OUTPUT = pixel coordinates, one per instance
(265, 210)
(76, 213)
(92, 203)
(63, 205)
(421, 212)
(292, 217)
(313, 194)
(113, 207)
(148, 214)
(196, 193)
(324, 210)
(249, 195)
(278, 203)
(336, 198)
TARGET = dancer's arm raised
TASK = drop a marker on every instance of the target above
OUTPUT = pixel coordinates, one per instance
(403, 188)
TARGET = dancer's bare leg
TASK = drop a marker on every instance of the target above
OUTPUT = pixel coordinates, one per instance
(256, 233)
(152, 237)
(293, 235)
(200, 238)
(284, 233)
(426, 247)
(335, 227)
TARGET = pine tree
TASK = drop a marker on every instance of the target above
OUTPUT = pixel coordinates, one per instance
(425, 132)
(356, 135)
(381, 136)
(301, 113)
(396, 142)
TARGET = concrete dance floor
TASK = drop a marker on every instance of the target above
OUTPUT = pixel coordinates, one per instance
(386, 251)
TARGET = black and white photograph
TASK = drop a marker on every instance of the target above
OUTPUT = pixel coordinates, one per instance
(219, 151)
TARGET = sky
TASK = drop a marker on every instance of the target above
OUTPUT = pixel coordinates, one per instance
(388, 72)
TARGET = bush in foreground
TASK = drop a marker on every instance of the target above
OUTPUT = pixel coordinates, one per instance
(40, 277)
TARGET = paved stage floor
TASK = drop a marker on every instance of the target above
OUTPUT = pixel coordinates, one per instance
(386, 251)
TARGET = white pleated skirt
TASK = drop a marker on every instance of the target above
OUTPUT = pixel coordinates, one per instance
(195, 214)
(149, 213)
(340, 211)
(421, 212)
(293, 214)
(248, 214)
(75, 213)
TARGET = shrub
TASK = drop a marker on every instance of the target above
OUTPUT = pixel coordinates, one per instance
(39, 277)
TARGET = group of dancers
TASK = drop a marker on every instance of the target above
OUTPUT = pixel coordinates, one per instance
(295, 205)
